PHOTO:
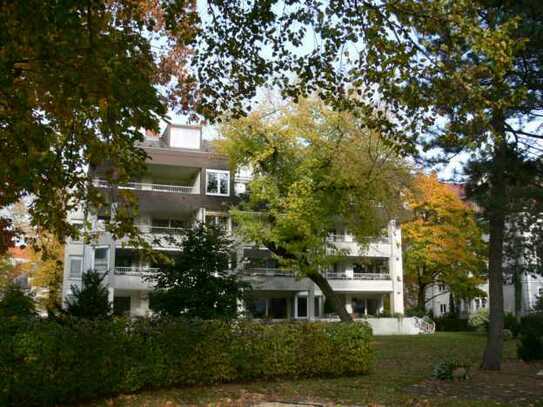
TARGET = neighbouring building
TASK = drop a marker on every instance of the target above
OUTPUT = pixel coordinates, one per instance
(187, 182)
(438, 301)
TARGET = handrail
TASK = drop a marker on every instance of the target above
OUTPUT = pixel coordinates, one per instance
(425, 326)
(134, 270)
(268, 271)
(358, 276)
(160, 230)
(147, 186)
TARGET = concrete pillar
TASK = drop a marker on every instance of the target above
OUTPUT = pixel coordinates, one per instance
(348, 303)
(395, 267)
(311, 304)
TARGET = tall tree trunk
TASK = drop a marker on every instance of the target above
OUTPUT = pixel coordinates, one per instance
(452, 305)
(331, 295)
(496, 213)
(421, 299)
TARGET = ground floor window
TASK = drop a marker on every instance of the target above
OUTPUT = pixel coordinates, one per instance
(278, 308)
(302, 307)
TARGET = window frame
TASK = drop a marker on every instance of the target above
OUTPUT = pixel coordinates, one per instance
(107, 257)
(70, 259)
(210, 170)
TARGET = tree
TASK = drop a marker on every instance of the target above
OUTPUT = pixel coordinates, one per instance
(314, 169)
(200, 282)
(46, 268)
(459, 76)
(91, 301)
(14, 302)
(79, 82)
(442, 241)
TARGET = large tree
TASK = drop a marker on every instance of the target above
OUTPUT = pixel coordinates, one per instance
(463, 76)
(314, 169)
(442, 241)
(78, 83)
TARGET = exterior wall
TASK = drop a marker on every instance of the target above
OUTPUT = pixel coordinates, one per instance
(532, 289)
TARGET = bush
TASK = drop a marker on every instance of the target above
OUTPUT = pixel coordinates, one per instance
(16, 303)
(450, 370)
(510, 322)
(92, 300)
(84, 359)
(479, 320)
(416, 312)
(449, 323)
(530, 346)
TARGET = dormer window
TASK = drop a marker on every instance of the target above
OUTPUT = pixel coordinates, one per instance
(217, 182)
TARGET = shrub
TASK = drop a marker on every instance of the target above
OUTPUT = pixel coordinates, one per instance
(80, 359)
(449, 323)
(530, 346)
(92, 300)
(449, 370)
(479, 320)
(416, 312)
(16, 303)
(510, 322)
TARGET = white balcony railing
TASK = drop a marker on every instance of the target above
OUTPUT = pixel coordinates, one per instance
(135, 270)
(269, 272)
(145, 186)
(160, 230)
(358, 276)
(351, 239)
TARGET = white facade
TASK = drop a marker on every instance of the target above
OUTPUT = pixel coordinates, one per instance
(438, 301)
(186, 184)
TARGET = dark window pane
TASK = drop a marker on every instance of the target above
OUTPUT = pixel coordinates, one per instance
(302, 307)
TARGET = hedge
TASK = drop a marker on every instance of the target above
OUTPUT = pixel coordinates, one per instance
(45, 362)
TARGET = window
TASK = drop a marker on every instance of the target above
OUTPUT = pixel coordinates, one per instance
(218, 182)
(76, 266)
(317, 310)
(258, 308)
(302, 307)
(101, 258)
(477, 303)
(540, 292)
(443, 308)
(483, 302)
(442, 287)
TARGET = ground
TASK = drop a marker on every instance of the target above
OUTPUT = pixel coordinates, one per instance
(401, 377)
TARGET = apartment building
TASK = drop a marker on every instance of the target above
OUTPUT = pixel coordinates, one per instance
(187, 182)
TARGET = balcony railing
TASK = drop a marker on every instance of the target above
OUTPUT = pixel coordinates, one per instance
(351, 239)
(358, 276)
(145, 186)
(134, 270)
(160, 230)
(268, 272)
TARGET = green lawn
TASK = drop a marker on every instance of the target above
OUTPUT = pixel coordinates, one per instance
(400, 377)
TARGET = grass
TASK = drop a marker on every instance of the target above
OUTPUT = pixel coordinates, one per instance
(403, 366)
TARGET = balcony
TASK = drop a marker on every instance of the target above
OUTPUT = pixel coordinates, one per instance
(134, 270)
(144, 186)
(358, 276)
(268, 272)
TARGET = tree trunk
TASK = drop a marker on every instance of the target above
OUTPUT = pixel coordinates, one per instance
(496, 214)
(331, 295)
(452, 305)
(421, 299)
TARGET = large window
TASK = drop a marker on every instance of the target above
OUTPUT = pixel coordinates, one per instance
(101, 258)
(302, 307)
(217, 219)
(217, 182)
(76, 266)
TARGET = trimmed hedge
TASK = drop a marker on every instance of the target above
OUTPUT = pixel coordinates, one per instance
(452, 324)
(46, 362)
